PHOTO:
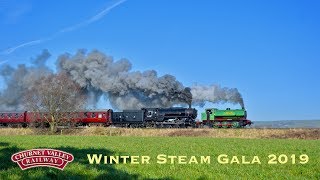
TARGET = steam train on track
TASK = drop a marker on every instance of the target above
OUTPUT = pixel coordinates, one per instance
(175, 117)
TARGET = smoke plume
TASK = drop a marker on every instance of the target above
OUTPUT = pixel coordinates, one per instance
(20, 79)
(100, 75)
(124, 88)
(215, 94)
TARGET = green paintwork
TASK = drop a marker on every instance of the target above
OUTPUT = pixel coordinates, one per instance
(235, 112)
(228, 114)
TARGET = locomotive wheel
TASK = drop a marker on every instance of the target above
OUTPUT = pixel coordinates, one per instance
(134, 126)
(168, 126)
(235, 124)
(225, 124)
(151, 125)
(148, 125)
(216, 124)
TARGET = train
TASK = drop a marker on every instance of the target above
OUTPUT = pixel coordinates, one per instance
(174, 117)
(228, 118)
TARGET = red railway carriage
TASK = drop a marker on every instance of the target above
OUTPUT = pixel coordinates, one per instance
(39, 119)
(95, 117)
(81, 118)
(12, 119)
(36, 119)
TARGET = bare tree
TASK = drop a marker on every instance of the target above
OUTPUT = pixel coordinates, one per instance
(54, 99)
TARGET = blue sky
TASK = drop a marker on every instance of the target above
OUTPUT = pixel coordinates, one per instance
(269, 50)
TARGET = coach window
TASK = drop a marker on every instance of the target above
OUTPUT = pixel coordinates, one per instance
(93, 115)
(2, 115)
(86, 114)
(16, 115)
(9, 116)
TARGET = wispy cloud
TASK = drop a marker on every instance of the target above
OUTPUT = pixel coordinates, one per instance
(2, 62)
(10, 50)
(94, 18)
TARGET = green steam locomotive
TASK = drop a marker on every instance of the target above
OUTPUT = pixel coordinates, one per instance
(228, 118)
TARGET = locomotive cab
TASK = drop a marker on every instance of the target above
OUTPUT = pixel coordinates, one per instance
(208, 112)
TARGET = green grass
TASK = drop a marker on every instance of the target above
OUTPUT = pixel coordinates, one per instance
(152, 146)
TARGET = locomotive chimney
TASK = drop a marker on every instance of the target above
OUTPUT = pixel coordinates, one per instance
(189, 105)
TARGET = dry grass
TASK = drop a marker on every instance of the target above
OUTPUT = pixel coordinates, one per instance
(16, 131)
(215, 133)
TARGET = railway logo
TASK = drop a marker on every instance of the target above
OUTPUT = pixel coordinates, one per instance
(42, 158)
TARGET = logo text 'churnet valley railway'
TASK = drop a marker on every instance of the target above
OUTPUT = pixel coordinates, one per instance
(42, 157)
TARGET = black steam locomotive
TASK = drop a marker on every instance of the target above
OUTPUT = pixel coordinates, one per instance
(176, 117)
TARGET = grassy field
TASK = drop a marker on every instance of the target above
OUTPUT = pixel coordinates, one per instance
(80, 168)
(216, 133)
